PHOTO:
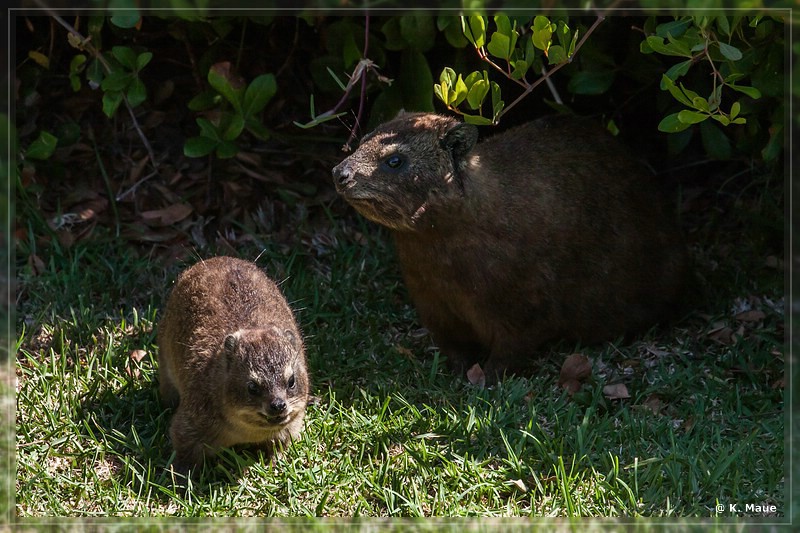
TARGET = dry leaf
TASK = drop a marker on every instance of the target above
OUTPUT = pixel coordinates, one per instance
(402, 350)
(476, 376)
(519, 484)
(167, 216)
(617, 391)
(754, 315)
(576, 366)
(36, 264)
(131, 366)
(653, 403)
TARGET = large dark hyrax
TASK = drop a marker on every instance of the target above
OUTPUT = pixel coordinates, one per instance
(231, 359)
(546, 231)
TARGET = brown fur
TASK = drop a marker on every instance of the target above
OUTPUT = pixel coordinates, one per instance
(226, 329)
(547, 231)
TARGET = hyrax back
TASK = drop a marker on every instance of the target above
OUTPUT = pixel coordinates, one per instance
(231, 359)
(547, 231)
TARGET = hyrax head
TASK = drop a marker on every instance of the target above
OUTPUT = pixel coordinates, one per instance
(406, 168)
(266, 383)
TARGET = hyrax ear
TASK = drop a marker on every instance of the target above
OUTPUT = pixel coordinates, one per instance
(231, 341)
(459, 140)
(291, 338)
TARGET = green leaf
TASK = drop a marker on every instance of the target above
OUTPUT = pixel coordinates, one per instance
(117, 81)
(43, 147)
(520, 68)
(542, 32)
(691, 117)
(418, 31)
(137, 93)
(477, 120)
(207, 129)
(447, 77)
(414, 80)
(143, 59)
(503, 24)
(497, 102)
(198, 146)
(233, 127)
(556, 54)
(499, 46)
(668, 49)
(676, 71)
(674, 91)
(95, 73)
(591, 82)
(225, 82)
(440, 93)
(460, 92)
(474, 29)
(125, 56)
(452, 32)
(204, 101)
(736, 107)
(477, 93)
(257, 128)
(723, 25)
(227, 149)
(111, 102)
(126, 19)
(675, 28)
(752, 92)
(730, 52)
(671, 124)
(258, 93)
(722, 119)
(701, 103)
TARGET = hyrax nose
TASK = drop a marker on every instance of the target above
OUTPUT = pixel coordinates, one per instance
(277, 406)
(343, 173)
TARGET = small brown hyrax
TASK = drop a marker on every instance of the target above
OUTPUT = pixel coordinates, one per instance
(546, 231)
(231, 360)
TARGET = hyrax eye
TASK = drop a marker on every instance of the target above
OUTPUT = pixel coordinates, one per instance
(394, 161)
(253, 389)
(291, 383)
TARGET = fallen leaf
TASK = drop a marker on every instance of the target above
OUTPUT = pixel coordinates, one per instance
(616, 391)
(575, 367)
(780, 383)
(519, 484)
(402, 350)
(476, 376)
(653, 404)
(754, 315)
(36, 264)
(132, 366)
(167, 216)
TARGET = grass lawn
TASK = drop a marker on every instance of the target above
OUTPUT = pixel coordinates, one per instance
(394, 434)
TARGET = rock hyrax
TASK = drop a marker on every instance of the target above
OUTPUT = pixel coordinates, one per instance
(231, 359)
(546, 231)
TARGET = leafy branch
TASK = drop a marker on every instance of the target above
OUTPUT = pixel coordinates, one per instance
(519, 57)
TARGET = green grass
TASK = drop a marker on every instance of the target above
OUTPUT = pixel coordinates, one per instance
(394, 433)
